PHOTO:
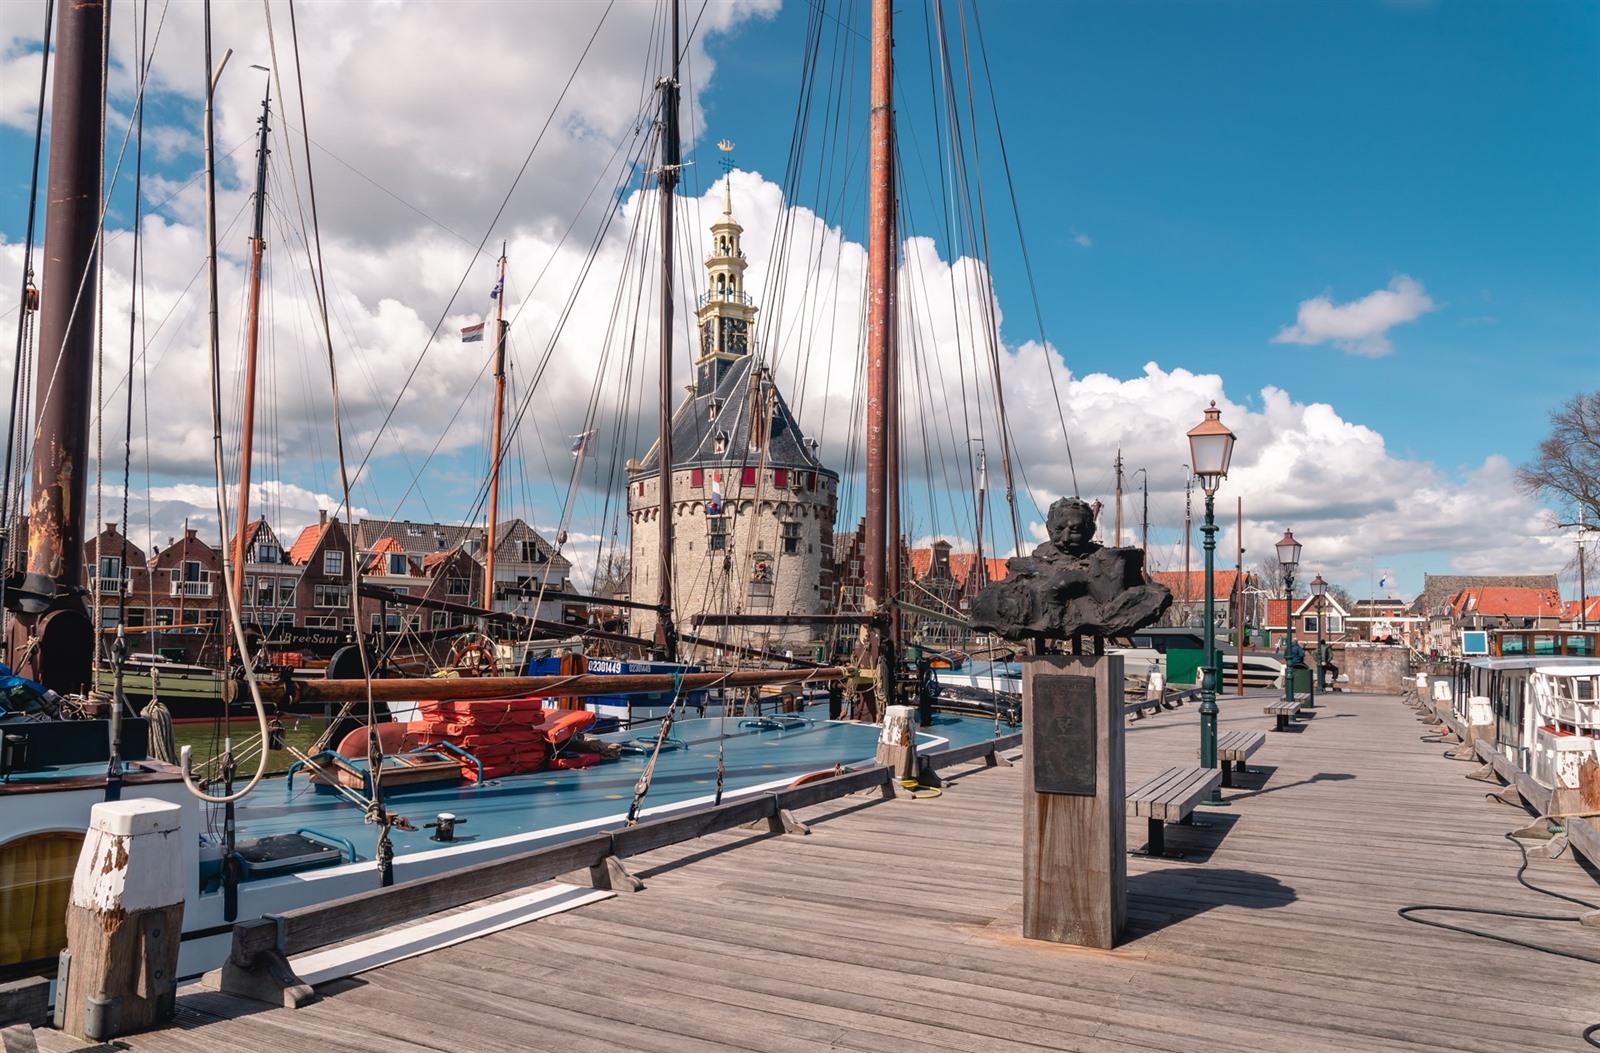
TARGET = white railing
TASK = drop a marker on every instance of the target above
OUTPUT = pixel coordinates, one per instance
(110, 586)
(194, 590)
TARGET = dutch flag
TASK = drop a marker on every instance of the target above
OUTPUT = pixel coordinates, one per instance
(714, 505)
(472, 334)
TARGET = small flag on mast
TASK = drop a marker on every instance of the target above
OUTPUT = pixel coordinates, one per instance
(499, 287)
(580, 443)
(472, 334)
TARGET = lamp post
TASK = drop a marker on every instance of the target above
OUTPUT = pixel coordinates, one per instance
(1210, 450)
(1319, 589)
(1289, 559)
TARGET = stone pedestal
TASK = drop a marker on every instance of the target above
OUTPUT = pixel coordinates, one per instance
(897, 741)
(1074, 862)
(123, 921)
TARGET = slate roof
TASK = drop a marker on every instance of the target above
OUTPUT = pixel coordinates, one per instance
(694, 432)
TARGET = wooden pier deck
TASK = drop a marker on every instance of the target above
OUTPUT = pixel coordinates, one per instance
(895, 925)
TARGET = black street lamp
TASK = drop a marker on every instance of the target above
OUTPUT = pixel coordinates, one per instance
(1289, 559)
(1210, 451)
(1319, 589)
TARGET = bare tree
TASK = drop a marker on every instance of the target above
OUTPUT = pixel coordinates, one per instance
(1567, 467)
(1270, 573)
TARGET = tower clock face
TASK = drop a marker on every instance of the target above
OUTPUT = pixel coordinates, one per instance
(735, 336)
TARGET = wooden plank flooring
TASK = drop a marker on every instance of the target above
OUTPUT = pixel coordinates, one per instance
(895, 925)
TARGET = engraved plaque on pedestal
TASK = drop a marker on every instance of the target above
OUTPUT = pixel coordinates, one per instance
(1074, 862)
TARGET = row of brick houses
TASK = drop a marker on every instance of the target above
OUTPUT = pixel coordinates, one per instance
(306, 585)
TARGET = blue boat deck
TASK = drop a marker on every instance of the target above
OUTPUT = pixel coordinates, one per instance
(895, 925)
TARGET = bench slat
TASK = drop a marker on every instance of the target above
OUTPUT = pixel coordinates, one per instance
(1174, 792)
(1151, 790)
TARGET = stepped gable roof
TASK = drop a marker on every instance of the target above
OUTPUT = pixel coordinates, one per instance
(694, 431)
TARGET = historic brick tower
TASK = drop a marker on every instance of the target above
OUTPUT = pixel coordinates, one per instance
(753, 506)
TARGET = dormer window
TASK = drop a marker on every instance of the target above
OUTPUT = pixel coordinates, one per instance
(267, 552)
(413, 531)
(720, 442)
(713, 407)
(398, 564)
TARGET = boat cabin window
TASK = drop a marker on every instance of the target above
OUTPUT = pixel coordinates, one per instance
(1577, 644)
(1544, 643)
(1513, 644)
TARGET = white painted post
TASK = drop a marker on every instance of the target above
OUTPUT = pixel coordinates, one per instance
(897, 742)
(124, 920)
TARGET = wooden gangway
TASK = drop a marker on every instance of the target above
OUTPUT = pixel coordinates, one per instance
(896, 925)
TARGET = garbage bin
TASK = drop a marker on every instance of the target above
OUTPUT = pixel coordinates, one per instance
(1302, 679)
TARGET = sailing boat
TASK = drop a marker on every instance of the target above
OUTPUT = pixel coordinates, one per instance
(283, 842)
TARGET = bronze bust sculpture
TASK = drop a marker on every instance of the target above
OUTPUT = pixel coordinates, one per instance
(1071, 586)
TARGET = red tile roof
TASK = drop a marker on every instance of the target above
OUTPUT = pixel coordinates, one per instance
(921, 560)
(306, 544)
(386, 546)
(1507, 602)
(251, 529)
(1223, 581)
(1569, 612)
(1277, 614)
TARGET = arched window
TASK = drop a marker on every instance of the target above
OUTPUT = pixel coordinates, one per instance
(35, 883)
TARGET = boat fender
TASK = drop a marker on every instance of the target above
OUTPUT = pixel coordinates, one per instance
(819, 775)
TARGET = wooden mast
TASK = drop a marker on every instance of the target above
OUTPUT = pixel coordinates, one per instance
(880, 425)
(499, 416)
(247, 422)
(666, 642)
(52, 640)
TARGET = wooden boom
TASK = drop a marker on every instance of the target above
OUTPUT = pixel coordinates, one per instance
(467, 688)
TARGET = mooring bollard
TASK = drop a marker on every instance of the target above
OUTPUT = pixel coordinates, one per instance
(897, 742)
(123, 921)
(1074, 850)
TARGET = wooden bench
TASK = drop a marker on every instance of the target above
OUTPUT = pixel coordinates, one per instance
(1285, 711)
(1170, 798)
(1235, 748)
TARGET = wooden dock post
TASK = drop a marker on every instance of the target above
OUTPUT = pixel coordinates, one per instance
(1074, 848)
(124, 920)
(897, 742)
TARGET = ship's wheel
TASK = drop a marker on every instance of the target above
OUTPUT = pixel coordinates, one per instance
(473, 655)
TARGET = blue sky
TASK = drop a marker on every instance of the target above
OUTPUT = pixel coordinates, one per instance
(1229, 160)
(1191, 175)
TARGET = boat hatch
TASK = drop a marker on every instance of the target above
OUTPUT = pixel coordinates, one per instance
(279, 854)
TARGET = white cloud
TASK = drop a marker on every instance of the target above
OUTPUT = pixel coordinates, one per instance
(390, 273)
(1359, 327)
(1082, 239)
